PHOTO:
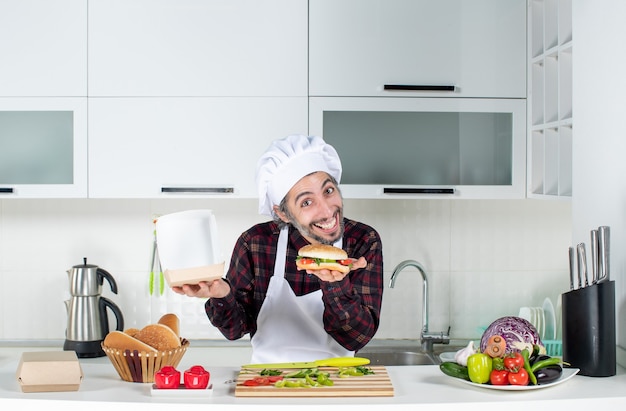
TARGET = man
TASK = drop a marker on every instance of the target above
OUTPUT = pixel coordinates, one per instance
(293, 315)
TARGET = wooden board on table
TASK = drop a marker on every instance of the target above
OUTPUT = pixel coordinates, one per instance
(373, 385)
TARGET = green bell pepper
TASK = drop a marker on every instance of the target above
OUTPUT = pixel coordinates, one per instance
(479, 367)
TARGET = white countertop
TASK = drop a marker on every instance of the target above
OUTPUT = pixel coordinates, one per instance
(416, 387)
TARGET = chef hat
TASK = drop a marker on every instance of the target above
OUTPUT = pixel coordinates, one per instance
(286, 161)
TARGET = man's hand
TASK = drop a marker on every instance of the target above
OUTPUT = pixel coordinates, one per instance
(214, 289)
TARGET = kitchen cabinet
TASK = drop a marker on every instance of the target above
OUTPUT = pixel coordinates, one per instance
(454, 48)
(185, 95)
(172, 147)
(43, 45)
(550, 99)
(198, 48)
(425, 147)
(44, 147)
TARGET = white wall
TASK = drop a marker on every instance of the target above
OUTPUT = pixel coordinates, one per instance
(485, 259)
(599, 183)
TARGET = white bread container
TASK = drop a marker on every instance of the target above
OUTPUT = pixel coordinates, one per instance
(188, 248)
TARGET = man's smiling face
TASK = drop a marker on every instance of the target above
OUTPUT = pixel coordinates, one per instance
(315, 208)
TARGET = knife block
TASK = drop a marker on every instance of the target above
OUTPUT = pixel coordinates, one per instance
(588, 321)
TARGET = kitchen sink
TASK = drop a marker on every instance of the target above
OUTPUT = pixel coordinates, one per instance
(390, 354)
(398, 358)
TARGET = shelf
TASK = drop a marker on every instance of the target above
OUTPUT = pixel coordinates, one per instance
(567, 122)
(550, 98)
(537, 162)
(551, 88)
(551, 23)
(565, 84)
(551, 161)
(536, 40)
(565, 21)
(565, 161)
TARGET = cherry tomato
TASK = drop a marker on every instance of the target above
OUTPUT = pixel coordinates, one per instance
(349, 261)
(499, 377)
(258, 381)
(514, 362)
(306, 261)
(518, 378)
(167, 378)
(196, 377)
(262, 380)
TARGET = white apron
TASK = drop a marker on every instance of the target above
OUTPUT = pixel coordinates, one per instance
(290, 328)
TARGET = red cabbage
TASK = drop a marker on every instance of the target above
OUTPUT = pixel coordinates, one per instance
(514, 330)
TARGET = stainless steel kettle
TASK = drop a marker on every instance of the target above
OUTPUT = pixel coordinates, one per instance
(87, 319)
(87, 279)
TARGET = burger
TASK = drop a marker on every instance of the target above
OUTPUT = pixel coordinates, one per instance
(323, 257)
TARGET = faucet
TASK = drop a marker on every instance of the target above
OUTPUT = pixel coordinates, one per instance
(427, 339)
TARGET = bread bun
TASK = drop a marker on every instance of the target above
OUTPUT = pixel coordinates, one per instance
(331, 254)
(131, 331)
(172, 321)
(121, 341)
(158, 336)
(325, 251)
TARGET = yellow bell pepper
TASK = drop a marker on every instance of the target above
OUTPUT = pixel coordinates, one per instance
(479, 367)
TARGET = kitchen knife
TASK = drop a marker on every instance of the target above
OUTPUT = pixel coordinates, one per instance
(572, 264)
(594, 256)
(603, 253)
(582, 265)
(328, 362)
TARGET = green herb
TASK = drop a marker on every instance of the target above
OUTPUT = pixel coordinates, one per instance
(305, 378)
(364, 370)
(357, 371)
(269, 372)
(317, 260)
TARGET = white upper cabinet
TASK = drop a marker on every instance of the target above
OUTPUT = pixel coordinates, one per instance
(43, 48)
(184, 147)
(198, 48)
(455, 48)
(425, 147)
(43, 147)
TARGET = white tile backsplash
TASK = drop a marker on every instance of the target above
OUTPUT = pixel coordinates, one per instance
(484, 259)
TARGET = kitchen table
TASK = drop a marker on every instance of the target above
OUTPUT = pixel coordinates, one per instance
(416, 388)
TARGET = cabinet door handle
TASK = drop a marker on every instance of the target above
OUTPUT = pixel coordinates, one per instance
(419, 87)
(6, 190)
(218, 190)
(433, 190)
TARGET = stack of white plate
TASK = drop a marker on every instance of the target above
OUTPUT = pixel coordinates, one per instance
(543, 318)
(550, 320)
(535, 316)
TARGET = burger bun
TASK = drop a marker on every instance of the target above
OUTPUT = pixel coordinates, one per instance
(324, 251)
(123, 341)
(162, 336)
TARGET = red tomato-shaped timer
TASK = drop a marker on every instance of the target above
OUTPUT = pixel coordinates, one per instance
(196, 377)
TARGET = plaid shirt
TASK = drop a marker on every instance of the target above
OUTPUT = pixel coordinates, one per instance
(351, 306)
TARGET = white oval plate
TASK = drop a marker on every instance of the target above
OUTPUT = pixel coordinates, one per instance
(567, 374)
(447, 356)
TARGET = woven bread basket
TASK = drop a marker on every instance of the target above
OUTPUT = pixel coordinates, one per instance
(140, 366)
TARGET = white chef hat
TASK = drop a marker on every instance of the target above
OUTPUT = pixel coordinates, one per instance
(286, 161)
